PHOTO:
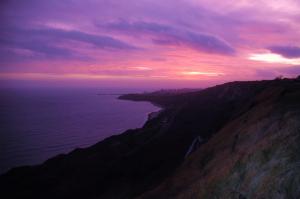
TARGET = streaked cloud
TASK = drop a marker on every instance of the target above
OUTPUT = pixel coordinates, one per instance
(286, 51)
(209, 40)
(198, 73)
(141, 68)
(47, 41)
(171, 36)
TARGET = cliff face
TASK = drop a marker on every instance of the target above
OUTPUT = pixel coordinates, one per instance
(256, 155)
(237, 140)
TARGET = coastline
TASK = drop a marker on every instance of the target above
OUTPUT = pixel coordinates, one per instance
(151, 115)
(143, 162)
(142, 119)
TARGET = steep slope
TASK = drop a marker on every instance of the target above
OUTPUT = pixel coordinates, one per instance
(137, 161)
(254, 156)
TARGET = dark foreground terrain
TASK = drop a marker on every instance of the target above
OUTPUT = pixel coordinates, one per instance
(236, 140)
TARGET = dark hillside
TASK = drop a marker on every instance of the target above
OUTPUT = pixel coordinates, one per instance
(139, 160)
(256, 155)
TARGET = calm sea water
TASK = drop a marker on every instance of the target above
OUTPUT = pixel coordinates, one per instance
(36, 124)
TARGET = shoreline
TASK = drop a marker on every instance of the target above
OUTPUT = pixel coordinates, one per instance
(146, 118)
(150, 115)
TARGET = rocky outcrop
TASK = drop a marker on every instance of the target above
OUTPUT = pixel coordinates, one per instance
(194, 146)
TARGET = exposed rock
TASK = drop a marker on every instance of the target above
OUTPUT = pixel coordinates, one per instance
(254, 159)
(194, 146)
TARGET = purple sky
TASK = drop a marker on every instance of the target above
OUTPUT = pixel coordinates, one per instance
(163, 43)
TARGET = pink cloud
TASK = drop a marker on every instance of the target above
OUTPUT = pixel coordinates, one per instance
(185, 41)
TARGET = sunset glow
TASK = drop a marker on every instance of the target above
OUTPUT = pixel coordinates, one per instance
(213, 41)
(202, 73)
(274, 58)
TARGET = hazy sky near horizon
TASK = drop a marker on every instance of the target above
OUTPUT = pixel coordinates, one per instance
(148, 42)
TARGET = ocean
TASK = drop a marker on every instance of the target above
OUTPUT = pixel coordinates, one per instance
(39, 123)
